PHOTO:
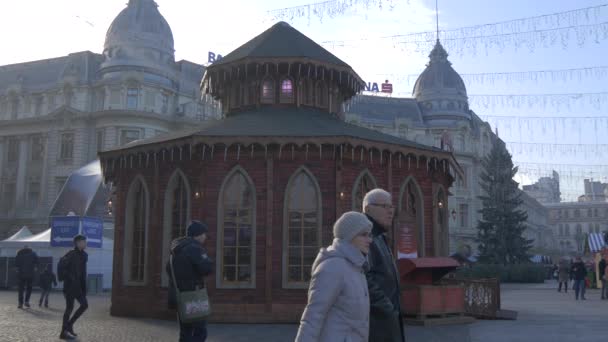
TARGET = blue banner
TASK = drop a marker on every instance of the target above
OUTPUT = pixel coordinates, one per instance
(92, 228)
(63, 230)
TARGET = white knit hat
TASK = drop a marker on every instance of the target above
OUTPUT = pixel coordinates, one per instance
(350, 224)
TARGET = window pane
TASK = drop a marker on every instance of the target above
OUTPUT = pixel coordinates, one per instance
(132, 98)
(229, 273)
(303, 227)
(237, 225)
(268, 91)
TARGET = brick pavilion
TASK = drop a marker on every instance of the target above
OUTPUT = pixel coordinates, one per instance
(269, 179)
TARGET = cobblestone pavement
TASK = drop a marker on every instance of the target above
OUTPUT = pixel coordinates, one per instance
(544, 315)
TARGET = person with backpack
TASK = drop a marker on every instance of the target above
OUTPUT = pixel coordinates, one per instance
(72, 270)
(26, 262)
(47, 281)
(189, 264)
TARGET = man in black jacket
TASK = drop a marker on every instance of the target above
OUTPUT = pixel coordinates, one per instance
(190, 265)
(47, 281)
(385, 323)
(74, 286)
(580, 272)
(26, 263)
(602, 277)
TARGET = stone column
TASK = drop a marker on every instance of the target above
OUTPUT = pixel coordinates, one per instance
(44, 204)
(21, 173)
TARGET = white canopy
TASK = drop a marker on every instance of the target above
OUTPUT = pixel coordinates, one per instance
(22, 233)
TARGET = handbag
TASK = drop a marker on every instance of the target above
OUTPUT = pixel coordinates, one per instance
(192, 306)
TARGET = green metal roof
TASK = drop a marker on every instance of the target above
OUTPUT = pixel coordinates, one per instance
(281, 122)
(281, 41)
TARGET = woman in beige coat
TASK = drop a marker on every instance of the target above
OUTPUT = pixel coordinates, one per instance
(338, 301)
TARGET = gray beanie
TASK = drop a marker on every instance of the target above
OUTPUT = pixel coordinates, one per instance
(350, 224)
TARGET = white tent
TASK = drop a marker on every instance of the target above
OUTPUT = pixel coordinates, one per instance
(22, 233)
(100, 259)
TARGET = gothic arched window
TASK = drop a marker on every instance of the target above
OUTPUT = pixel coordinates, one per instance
(136, 233)
(302, 233)
(176, 214)
(364, 184)
(236, 231)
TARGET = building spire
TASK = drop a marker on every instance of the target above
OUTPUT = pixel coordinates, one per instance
(437, 17)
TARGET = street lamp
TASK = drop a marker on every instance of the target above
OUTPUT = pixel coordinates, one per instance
(454, 214)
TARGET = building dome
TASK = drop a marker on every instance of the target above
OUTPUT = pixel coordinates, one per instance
(139, 38)
(439, 89)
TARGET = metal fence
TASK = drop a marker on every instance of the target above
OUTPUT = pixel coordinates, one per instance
(481, 296)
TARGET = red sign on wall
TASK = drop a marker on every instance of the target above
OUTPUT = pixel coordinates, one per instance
(387, 87)
(407, 245)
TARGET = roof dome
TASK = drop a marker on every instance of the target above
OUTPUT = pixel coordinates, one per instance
(439, 89)
(139, 36)
(439, 76)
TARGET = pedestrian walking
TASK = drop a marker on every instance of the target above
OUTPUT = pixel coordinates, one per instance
(26, 263)
(72, 270)
(563, 275)
(338, 300)
(602, 266)
(47, 281)
(190, 265)
(385, 322)
(580, 272)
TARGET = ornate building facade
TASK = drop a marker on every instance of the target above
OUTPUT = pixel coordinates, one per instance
(438, 115)
(57, 114)
(572, 221)
(439, 104)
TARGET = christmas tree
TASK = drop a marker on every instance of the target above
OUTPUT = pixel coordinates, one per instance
(502, 224)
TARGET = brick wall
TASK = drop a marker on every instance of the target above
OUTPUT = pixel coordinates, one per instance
(268, 301)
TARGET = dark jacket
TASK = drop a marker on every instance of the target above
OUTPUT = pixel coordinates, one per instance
(47, 280)
(75, 283)
(579, 271)
(385, 322)
(190, 264)
(26, 262)
(602, 267)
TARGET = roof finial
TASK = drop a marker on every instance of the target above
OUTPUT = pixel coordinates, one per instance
(437, 17)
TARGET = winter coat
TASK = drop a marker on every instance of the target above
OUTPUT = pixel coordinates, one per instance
(26, 261)
(564, 271)
(338, 300)
(385, 323)
(602, 268)
(75, 283)
(47, 280)
(579, 270)
(190, 264)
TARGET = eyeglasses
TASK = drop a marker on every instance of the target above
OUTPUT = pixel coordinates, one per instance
(384, 206)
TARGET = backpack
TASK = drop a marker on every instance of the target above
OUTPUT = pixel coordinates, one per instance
(63, 267)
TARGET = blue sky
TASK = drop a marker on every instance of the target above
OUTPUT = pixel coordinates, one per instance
(59, 27)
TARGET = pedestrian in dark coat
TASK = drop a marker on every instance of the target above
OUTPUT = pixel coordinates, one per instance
(190, 265)
(563, 275)
(47, 281)
(26, 263)
(75, 286)
(580, 272)
(602, 278)
(386, 324)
